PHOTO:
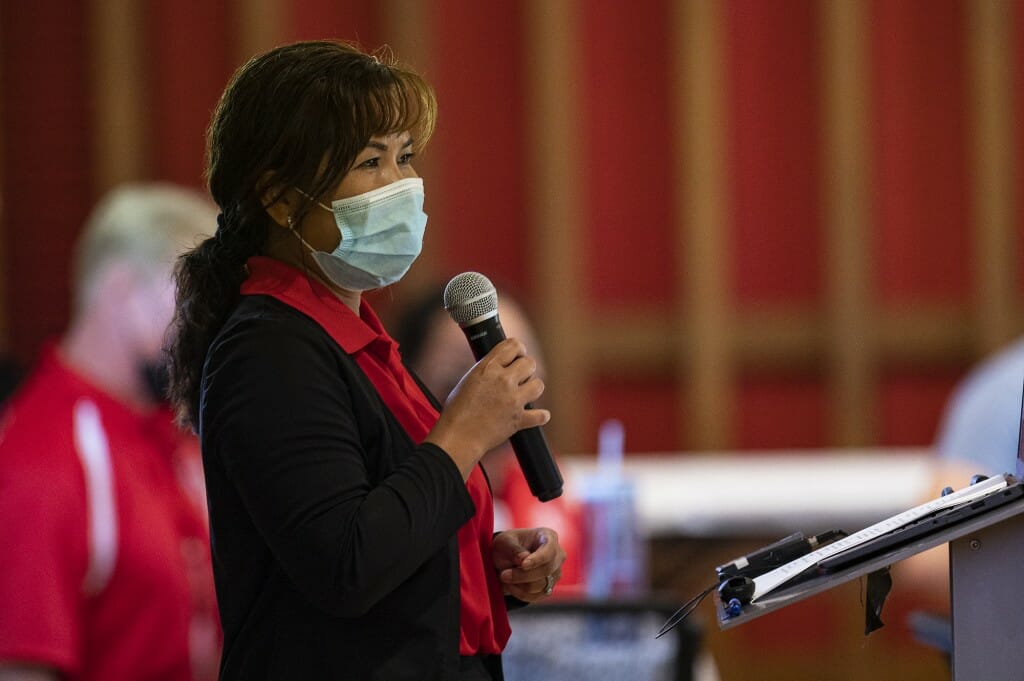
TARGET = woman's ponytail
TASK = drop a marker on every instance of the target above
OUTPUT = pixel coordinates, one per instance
(208, 279)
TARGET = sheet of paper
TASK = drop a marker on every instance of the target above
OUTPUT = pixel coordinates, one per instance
(782, 574)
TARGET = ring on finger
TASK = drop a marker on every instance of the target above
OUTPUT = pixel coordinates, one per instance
(549, 585)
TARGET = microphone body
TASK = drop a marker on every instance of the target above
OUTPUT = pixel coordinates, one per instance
(531, 449)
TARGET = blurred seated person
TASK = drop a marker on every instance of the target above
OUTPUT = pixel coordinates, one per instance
(978, 434)
(106, 569)
(981, 423)
(436, 350)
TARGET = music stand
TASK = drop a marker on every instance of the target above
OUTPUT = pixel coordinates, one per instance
(986, 553)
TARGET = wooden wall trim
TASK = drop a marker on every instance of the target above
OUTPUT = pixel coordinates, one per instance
(847, 219)
(705, 364)
(992, 115)
(923, 337)
(260, 25)
(785, 340)
(552, 81)
(119, 87)
(409, 25)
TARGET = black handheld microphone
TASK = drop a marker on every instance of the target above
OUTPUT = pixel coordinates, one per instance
(472, 302)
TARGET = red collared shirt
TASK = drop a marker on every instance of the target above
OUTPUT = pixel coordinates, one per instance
(484, 620)
(106, 569)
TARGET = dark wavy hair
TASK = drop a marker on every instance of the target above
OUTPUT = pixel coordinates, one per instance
(296, 116)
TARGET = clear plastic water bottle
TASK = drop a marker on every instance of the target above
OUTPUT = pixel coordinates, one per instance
(615, 559)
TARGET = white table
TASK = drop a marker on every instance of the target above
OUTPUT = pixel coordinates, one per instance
(769, 493)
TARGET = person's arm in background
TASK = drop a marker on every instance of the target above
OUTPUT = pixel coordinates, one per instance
(20, 672)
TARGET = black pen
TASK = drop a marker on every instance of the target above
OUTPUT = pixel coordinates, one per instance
(772, 556)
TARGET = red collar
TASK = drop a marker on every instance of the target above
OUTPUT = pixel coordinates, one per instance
(293, 287)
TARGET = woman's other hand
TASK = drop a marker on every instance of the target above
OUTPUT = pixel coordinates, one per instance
(529, 562)
(489, 405)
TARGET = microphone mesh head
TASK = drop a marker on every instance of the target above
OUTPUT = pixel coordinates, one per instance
(469, 296)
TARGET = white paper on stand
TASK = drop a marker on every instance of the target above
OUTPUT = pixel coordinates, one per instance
(770, 581)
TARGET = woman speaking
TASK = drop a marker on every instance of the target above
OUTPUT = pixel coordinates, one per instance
(351, 523)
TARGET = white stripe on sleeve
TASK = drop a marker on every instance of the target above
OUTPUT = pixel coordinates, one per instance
(94, 452)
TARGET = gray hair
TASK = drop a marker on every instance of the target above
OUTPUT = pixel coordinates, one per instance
(146, 226)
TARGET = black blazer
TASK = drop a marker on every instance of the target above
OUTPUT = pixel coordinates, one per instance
(333, 533)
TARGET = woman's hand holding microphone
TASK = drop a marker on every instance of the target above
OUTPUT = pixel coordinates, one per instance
(489, 404)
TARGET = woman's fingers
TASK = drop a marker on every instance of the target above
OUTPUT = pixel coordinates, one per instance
(535, 590)
(489, 405)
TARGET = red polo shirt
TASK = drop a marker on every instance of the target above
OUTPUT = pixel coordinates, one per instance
(484, 620)
(106, 567)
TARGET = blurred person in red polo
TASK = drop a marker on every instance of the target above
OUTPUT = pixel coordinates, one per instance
(106, 569)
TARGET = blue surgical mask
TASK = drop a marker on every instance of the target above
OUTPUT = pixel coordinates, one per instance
(381, 236)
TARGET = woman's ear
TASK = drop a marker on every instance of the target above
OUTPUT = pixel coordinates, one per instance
(279, 203)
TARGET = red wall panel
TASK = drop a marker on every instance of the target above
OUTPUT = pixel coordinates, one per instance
(774, 170)
(358, 22)
(47, 162)
(782, 411)
(647, 406)
(627, 183)
(910, 404)
(479, 147)
(190, 58)
(921, 163)
(774, 155)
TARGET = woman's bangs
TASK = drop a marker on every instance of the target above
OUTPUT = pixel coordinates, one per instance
(406, 103)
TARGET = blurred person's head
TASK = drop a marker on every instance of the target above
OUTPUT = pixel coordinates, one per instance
(436, 349)
(288, 130)
(122, 285)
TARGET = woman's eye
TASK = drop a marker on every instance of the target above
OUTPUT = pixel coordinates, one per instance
(370, 163)
(406, 158)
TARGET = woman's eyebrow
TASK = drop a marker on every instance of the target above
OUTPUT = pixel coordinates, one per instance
(380, 146)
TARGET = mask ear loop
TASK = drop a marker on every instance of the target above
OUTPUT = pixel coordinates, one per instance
(317, 202)
(303, 255)
(293, 230)
(291, 221)
(306, 255)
